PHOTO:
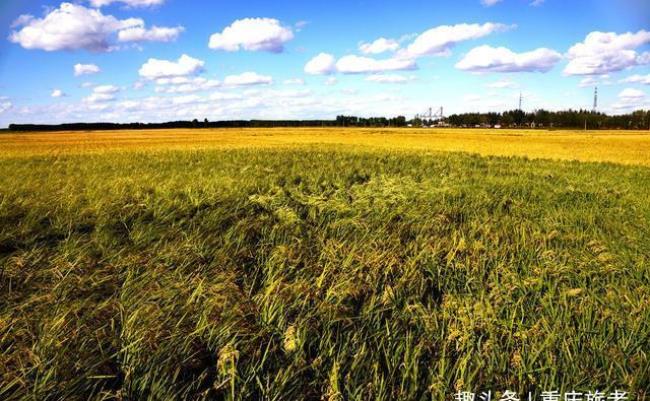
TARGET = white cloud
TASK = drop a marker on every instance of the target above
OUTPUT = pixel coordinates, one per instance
(294, 81)
(4, 105)
(184, 66)
(322, 64)
(594, 81)
(130, 3)
(22, 20)
(106, 89)
(537, 3)
(70, 27)
(74, 27)
(605, 52)
(220, 96)
(490, 3)
(389, 78)
(359, 65)
(637, 79)
(101, 94)
(57, 93)
(247, 78)
(155, 34)
(189, 99)
(500, 59)
(380, 45)
(185, 84)
(86, 69)
(331, 81)
(631, 94)
(95, 98)
(630, 99)
(253, 34)
(588, 81)
(438, 41)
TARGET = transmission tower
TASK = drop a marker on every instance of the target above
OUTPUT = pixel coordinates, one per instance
(520, 100)
(595, 99)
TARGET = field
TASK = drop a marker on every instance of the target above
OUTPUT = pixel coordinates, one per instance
(626, 147)
(323, 264)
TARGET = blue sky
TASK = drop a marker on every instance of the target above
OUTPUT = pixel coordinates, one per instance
(159, 60)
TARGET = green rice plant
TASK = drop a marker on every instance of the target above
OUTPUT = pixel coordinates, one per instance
(319, 272)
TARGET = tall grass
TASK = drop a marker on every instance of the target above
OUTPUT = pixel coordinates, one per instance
(317, 273)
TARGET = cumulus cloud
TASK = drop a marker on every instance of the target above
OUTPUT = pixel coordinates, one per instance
(101, 94)
(500, 59)
(130, 3)
(380, 45)
(155, 34)
(631, 94)
(630, 99)
(57, 93)
(75, 27)
(86, 69)
(247, 78)
(322, 64)
(184, 66)
(637, 79)
(106, 89)
(252, 34)
(438, 41)
(605, 52)
(185, 84)
(389, 78)
(96, 98)
(331, 81)
(359, 65)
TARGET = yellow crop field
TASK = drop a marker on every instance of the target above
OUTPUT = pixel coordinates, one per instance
(322, 264)
(626, 147)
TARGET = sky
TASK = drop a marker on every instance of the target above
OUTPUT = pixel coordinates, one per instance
(163, 60)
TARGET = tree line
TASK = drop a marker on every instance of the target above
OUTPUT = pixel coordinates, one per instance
(512, 118)
(553, 119)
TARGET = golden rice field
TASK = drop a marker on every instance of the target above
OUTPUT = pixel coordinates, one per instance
(627, 147)
(323, 264)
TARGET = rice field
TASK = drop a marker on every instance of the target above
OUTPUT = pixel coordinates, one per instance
(625, 147)
(323, 264)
